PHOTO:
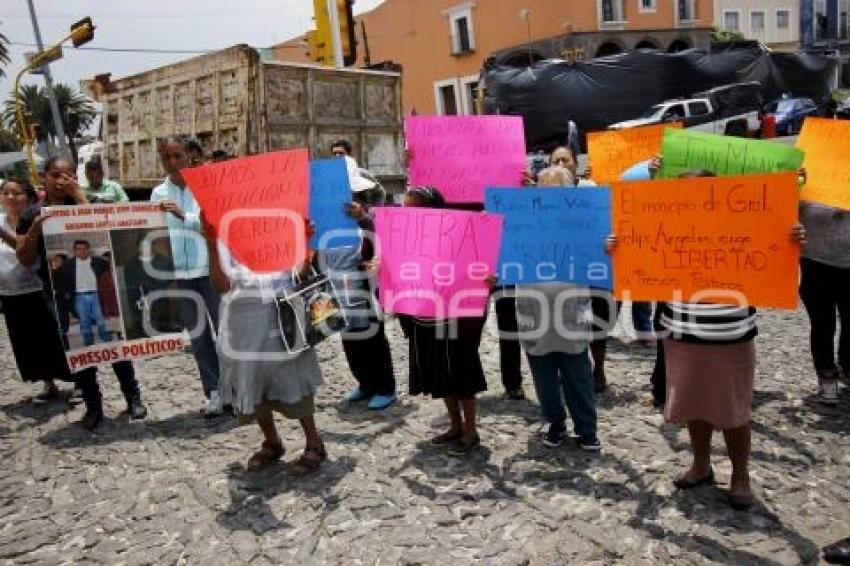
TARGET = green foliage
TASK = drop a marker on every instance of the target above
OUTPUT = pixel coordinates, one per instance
(726, 36)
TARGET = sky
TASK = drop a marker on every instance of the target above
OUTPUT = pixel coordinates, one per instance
(190, 25)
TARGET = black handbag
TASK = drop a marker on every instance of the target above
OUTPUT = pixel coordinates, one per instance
(309, 313)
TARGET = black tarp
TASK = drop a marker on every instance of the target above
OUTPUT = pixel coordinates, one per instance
(602, 91)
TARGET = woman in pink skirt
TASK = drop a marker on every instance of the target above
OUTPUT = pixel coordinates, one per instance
(710, 360)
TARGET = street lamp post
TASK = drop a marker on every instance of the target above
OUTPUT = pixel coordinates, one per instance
(48, 83)
(81, 32)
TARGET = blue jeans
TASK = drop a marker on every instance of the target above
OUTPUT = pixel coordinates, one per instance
(88, 309)
(203, 345)
(560, 377)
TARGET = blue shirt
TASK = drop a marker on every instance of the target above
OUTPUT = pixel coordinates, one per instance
(187, 245)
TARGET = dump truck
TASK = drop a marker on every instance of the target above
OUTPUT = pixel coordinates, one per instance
(237, 101)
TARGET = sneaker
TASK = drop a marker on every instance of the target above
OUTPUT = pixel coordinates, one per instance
(554, 435)
(828, 391)
(356, 395)
(49, 395)
(214, 405)
(590, 444)
(137, 409)
(92, 419)
(381, 402)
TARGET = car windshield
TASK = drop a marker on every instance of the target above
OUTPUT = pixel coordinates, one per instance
(653, 112)
(785, 106)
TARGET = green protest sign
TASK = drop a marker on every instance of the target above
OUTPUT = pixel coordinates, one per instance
(685, 150)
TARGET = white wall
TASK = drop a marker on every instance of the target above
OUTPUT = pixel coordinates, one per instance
(771, 34)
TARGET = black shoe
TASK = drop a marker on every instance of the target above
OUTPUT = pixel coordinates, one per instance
(554, 435)
(464, 447)
(137, 409)
(600, 383)
(92, 419)
(515, 394)
(837, 552)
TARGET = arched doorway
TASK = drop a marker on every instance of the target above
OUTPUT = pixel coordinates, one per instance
(678, 45)
(608, 48)
(646, 44)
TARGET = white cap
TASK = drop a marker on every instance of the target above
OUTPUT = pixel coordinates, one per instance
(358, 182)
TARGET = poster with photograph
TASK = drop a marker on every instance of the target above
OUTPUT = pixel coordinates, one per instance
(112, 273)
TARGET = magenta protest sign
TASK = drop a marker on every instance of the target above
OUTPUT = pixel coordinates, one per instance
(435, 263)
(460, 155)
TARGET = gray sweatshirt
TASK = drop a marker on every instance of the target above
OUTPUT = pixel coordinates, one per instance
(827, 234)
(542, 330)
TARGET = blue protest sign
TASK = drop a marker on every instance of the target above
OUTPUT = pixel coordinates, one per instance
(553, 234)
(330, 193)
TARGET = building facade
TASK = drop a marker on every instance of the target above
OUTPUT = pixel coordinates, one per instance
(775, 23)
(441, 45)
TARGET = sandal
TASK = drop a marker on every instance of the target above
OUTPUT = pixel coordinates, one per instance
(267, 455)
(684, 482)
(447, 438)
(313, 457)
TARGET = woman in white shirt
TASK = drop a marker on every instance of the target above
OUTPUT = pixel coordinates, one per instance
(32, 329)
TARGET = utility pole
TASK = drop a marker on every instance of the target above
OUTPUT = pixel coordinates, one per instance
(48, 83)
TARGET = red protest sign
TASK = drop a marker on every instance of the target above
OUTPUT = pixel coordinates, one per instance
(257, 205)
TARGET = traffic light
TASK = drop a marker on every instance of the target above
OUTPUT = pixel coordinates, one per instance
(346, 31)
(82, 32)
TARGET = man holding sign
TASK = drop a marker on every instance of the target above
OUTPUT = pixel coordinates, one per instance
(191, 266)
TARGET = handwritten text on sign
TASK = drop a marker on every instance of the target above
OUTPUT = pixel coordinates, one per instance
(257, 205)
(330, 193)
(686, 150)
(707, 240)
(827, 145)
(553, 235)
(460, 155)
(614, 151)
(434, 263)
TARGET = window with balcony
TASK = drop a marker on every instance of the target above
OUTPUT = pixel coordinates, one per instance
(757, 22)
(612, 11)
(732, 21)
(686, 10)
(783, 19)
(461, 29)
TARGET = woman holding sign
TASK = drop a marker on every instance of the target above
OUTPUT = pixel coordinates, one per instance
(259, 376)
(710, 360)
(444, 359)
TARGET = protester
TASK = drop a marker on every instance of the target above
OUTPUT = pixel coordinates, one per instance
(194, 152)
(364, 342)
(259, 377)
(605, 310)
(191, 266)
(825, 291)
(35, 340)
(342, 148)
(62, 189)
(710, 362)
(557, 353)
(99, 189)
(444, 359)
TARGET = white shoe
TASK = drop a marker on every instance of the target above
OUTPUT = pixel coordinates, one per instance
(214, 405)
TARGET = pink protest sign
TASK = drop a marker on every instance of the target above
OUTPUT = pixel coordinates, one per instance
(461, 155)
(435, 263)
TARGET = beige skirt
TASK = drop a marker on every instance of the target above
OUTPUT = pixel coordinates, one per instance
(710, 382)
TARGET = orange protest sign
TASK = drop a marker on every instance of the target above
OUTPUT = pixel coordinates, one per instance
(257, 205)
(717, 240)
(612, 152)
(826, 144)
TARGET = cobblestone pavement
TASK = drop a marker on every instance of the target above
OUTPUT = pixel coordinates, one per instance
(173, 489)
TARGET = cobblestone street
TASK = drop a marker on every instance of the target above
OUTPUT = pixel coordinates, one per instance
(173, 489)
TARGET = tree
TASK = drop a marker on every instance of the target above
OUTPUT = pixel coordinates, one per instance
(75, 109)
(4, 53)
(726, 36)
